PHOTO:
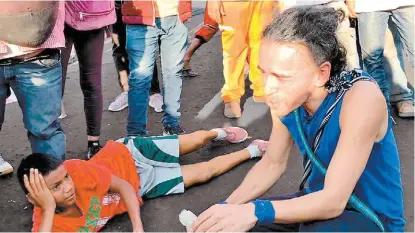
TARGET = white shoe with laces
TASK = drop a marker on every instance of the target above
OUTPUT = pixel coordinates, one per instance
(156, 102)
(120, 103)
(5, 167)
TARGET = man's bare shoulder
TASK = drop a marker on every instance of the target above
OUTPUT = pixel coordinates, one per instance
(365, 93)
(365, 102)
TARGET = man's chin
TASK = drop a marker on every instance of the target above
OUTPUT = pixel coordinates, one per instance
(279, 111)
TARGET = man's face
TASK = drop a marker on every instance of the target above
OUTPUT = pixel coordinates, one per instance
(62, 187)
(290, 75)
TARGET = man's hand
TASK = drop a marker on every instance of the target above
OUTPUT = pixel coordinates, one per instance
(351, 5)
(226, 218)
(216, 10)
(39, 193)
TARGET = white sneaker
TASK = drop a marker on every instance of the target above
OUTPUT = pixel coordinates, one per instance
(156, 102)
(63, 113)
(119, 103)
(5, 167)
(405, 108)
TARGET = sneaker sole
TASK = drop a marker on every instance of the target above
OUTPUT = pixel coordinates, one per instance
(242, 140)
(406, 115)
(7, 171)
(155, 109)
(118, 109)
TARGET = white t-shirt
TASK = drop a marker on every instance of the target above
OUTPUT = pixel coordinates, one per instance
(167, 7)
(380, 5)
(292, 3)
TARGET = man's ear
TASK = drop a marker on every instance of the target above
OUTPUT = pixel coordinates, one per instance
(323, 74)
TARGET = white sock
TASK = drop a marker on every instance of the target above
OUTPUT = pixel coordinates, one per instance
(221, 134)
(254, 151)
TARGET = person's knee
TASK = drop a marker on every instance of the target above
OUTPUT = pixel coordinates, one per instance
(43, 132)
(208, 171)
(141, 76)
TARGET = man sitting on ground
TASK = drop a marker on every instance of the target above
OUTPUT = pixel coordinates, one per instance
(81, 196)
(339, 120)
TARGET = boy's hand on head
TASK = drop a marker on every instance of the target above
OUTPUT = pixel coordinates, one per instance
(39, 193)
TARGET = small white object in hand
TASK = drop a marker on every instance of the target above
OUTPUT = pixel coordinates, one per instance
(187, 218)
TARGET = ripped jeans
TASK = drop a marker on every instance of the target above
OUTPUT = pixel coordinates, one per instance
(142, 48)
(38, 88)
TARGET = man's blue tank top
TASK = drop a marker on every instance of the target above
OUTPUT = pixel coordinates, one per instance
(379, 186)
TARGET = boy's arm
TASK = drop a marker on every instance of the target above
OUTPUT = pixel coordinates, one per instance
(47, 220)
(129, 195)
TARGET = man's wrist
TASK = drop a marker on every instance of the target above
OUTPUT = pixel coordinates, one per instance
(264, 211)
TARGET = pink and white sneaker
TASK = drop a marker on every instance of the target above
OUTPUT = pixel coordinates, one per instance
(235, 134)
(262, 146)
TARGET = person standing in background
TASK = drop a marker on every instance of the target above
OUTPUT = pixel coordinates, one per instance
(121, 62)
(30, 65)
(85, 25)
(242, 24)
(148, 23)
(373, 17)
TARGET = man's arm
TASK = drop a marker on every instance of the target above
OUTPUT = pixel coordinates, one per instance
(216, 10)
(359, 131)
(129, 195)
(269, 169)
(351, 5)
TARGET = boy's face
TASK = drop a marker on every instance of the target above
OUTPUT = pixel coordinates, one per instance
(62, 187)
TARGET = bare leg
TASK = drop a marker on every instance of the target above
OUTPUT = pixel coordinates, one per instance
(196, 43)
(124, 80)
(196, 140)
(202, 172)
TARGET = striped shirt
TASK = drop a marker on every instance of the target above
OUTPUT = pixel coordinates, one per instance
(56, 39)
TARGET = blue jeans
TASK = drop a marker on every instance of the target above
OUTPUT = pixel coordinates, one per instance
(142, 48)
(348, 221)
(372, 30)
(38, 88)
(394, 68)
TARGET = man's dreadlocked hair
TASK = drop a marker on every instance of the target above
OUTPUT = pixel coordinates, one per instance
(314, 27)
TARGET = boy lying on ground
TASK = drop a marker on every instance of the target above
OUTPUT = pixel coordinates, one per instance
(81, 196)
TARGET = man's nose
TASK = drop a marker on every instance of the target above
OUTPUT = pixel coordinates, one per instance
(270, 85)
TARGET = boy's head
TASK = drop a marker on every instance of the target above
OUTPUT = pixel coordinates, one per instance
(298, 55)
(55, 175)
